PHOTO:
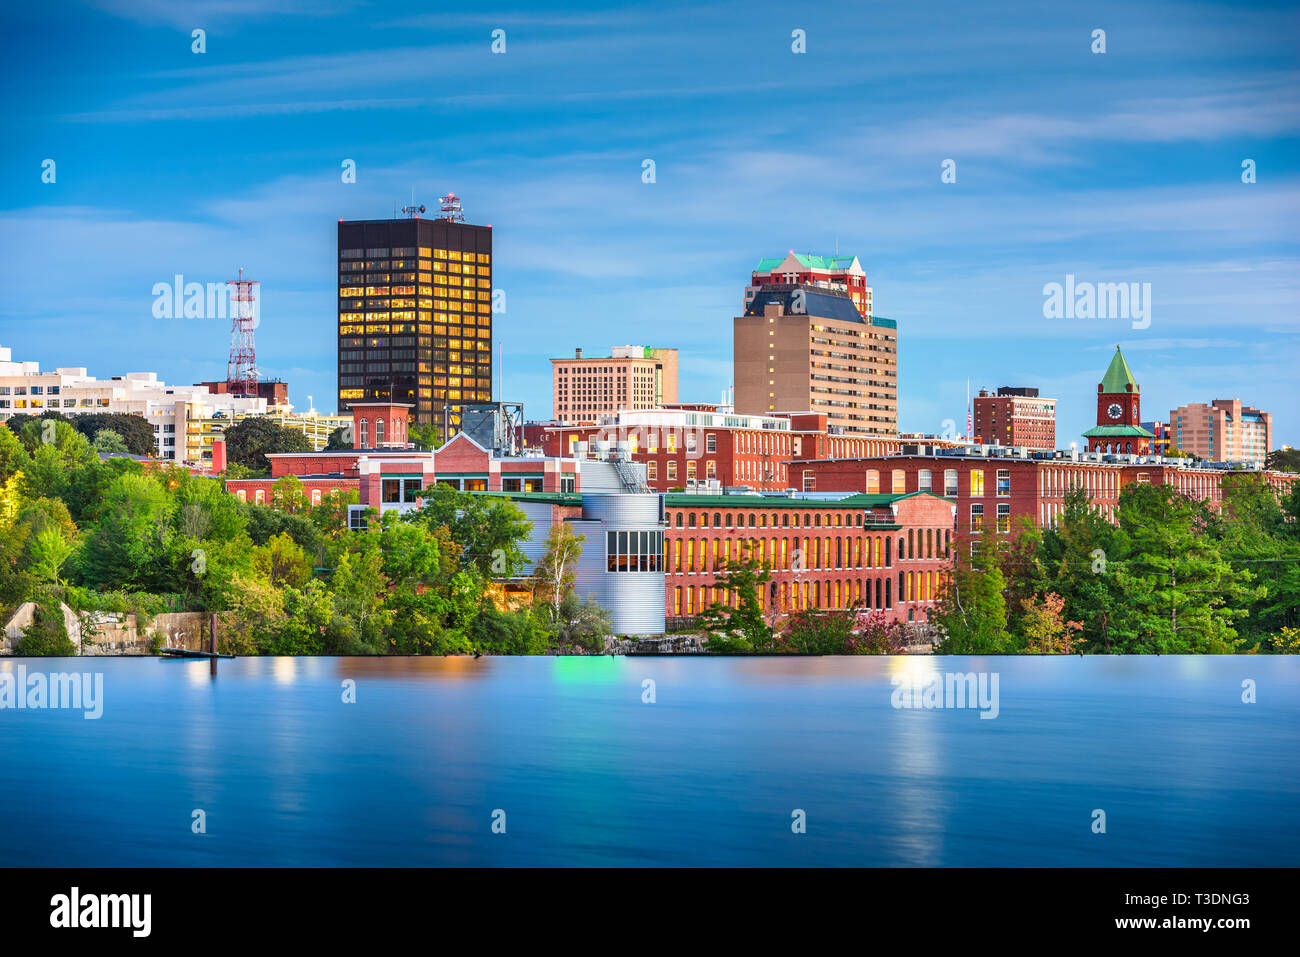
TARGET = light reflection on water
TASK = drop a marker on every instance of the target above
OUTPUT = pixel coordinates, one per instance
(709, 774)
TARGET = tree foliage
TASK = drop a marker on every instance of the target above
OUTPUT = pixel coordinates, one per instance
(249, 441)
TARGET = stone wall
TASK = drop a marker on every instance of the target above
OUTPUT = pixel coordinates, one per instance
(112, 633)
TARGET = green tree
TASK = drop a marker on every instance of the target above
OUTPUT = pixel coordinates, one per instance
(1180, 596)
(339, 439)
(47, 635)
(1044, 626)
(48, 550)
(127, 546)
(1253, 532)
(282, 562)
(13, 455)
(740, 628)
(134, 430)
(581, 623)
(557, 569)
(1080, 557)
(107, 442)
(423, 435)
(488, 528)
(1283, 460)
(288, 495)
(251, 440)
(971, 611)
(818, 631)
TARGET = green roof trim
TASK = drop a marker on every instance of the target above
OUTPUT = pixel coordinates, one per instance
(553, 498)
(1112, 431)
(857, 500)
(887, 323)
(1118, 376)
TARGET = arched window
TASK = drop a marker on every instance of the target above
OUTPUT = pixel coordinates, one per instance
(379, 433)
(365, 433)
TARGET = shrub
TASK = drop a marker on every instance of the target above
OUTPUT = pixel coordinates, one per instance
(46, 636)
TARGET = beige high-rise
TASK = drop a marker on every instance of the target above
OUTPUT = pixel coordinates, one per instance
(801, 348)
(1225, 430)
(630, 377)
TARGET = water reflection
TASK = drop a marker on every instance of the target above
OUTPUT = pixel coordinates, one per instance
(590, 772)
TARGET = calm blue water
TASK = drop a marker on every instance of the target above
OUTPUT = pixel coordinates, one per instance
(709, 774)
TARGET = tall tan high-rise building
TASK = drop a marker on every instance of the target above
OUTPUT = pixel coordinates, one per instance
(584, 388)
(807, 348)
(1223, 431)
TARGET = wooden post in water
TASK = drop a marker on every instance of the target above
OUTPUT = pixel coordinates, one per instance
(212, 644)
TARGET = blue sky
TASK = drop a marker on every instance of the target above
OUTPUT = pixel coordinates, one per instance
(1115, 167)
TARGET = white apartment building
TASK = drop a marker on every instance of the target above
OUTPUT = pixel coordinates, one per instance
(176, 412)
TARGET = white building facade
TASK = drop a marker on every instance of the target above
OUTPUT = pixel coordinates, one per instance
(176, 412)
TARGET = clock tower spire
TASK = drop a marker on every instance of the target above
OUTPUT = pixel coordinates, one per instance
(1119, 413)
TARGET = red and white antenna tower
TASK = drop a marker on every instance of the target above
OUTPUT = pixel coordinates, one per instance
(451, 208)
(241, 370)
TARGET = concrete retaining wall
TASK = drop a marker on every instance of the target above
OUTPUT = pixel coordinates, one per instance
(112, 633)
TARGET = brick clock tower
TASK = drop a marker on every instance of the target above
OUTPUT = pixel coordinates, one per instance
(1119, 413)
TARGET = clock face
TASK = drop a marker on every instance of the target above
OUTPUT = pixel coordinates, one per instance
(1114, 410)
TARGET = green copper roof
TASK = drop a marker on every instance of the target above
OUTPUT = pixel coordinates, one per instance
(1118, 376)
(809, 261)
(1112, 431)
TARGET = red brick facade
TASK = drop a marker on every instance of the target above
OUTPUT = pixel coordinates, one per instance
(879, 554)
(1000, 489)
(757, 458)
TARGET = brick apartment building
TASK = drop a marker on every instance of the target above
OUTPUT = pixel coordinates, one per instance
(1015, 417)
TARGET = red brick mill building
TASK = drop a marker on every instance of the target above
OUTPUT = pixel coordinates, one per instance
(998, 486)
(883, 551)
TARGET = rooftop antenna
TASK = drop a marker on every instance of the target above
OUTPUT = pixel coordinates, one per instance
(412, 210)
(970, 430)
(451, 211)
(241, 370)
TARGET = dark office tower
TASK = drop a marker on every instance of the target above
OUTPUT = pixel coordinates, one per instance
(415, 314)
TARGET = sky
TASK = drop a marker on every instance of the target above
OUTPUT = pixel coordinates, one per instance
(1116, 166)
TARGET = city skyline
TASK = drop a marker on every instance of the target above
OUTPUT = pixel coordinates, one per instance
(1115, 167)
